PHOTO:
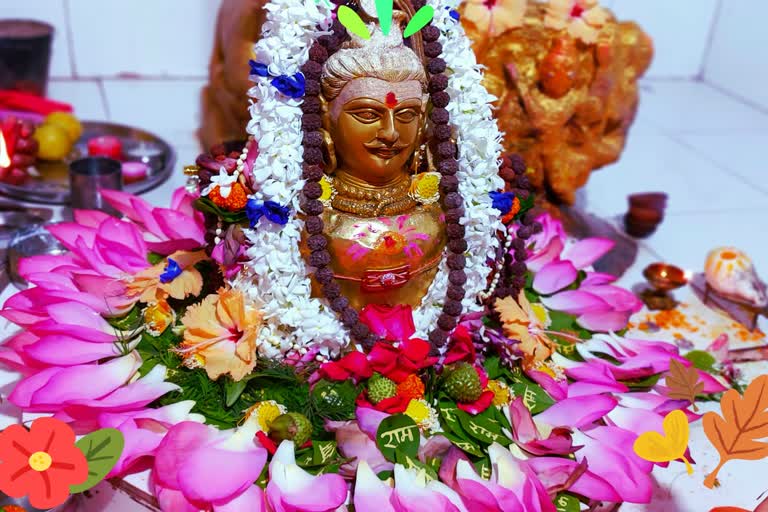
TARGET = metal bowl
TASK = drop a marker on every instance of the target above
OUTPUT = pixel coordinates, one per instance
(52, 186)
(665, 277)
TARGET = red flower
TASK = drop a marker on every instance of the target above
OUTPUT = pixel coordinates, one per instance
(392, 405)
(485, 400)
(393, 323)
(353, 365)
(462, 348)
(397, 363)
(42, 462)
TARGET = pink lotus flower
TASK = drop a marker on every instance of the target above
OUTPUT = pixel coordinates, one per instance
(511, 488)
(165, 230)
(413, 492)
(357, 440)
(598, 305)
(200, 467)
(144, 430)
(535, 436)
(291, 489)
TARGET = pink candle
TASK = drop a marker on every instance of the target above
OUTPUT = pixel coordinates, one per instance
(106, 145)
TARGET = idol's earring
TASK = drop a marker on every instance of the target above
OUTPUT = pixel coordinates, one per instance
(329, 152)
(329, 148)
(418, 155)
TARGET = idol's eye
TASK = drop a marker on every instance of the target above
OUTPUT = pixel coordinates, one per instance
(407, 115)
(366, 116)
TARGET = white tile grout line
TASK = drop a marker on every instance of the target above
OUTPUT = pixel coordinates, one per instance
(104, 101)
(679, 138)
(70, 39)
(710, 40)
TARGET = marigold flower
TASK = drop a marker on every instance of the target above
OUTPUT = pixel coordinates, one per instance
(235, 200)
(425, 187)
(412, 387)
(42, 462)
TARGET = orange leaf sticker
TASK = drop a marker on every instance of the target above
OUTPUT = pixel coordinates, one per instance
(654, 447)
(735, 434)
(683, 382)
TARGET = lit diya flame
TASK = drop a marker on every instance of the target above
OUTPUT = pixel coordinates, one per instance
(664, 277)
(5, 158)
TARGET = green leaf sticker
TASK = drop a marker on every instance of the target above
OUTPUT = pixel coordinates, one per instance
(419, 20)
(565, 502)
(701, 360)
(534, 397)
(102, 449)
(397, 432)
(351, 20)
(482, 429)
(468, 446)
(384, 12)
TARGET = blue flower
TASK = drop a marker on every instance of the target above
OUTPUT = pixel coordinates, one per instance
(455, 14)
(274, 212)
(292, 86)
(502, 201)
(171, 272)
(259, 69)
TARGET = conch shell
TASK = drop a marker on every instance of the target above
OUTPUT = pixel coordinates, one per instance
(730, 272)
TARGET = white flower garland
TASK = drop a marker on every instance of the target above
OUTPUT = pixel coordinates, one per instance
(276, 278)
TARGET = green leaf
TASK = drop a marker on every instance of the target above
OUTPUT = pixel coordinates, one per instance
(534, 397)
(702, 360)
(128, 322)
(102, 449)
(492, 367)
(154, 258)
(464, 444)
(383, 475)
(565, 502)
(397, 432)
(234, 389)
(448, 414)
(323, 452)
(643, 383)
(206, 205)
(414, 463)
(482, 429)
(483, 468)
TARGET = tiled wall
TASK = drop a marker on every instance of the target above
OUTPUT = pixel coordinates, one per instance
(172, 38)
(736, 61)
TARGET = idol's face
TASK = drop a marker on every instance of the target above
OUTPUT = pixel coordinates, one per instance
(375, 127)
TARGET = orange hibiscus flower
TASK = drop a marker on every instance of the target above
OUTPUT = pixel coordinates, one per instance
(41, 463)
(220, 335)
(160, 281)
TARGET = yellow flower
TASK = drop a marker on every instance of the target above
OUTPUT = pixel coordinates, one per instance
(265, 413)
(158, 316)
(326, 185)
(423, 415)
(425, 187)
(222, 329)
(501, 393)
(550, 368)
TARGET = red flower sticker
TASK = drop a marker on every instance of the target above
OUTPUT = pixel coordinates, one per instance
(42, 462)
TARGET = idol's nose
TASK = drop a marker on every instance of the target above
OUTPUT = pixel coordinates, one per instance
(388, 133)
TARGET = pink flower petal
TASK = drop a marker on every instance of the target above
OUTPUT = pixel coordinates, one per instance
(90, 218)
(371, 494)
(172, 453)
(251, 500)
(554, 277)
(585, 252)
(597, 278)
(57, 349)
(575, 302)
(618, 298)
(212, 473)
(604, 321)
(578, 411)
(550, 252)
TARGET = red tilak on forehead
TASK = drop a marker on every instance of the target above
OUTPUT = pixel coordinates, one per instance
(390, 99)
